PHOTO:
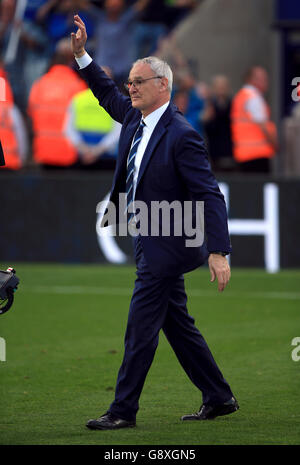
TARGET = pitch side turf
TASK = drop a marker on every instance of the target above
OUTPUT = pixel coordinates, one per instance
(64, 345)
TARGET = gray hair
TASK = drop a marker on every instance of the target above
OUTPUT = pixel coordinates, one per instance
(159, 67)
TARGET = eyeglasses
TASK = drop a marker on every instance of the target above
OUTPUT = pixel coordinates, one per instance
(138, 82)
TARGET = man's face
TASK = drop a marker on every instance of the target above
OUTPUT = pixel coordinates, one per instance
(114, 6)
(260, 79)
(65, 5)
(221, 86)
(147, 95)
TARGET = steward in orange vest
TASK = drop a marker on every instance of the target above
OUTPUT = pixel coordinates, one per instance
(49, 99)
(253, 133)
(7, 129)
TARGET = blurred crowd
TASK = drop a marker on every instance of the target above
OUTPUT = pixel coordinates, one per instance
(49, 118)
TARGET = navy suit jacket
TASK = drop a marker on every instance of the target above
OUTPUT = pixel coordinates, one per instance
(174, 167)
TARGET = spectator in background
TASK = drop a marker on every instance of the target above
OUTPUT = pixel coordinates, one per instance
(150, 28)
(216, 121)
(57, 16)
(253, 133)
(13, 133)
(7, 10)
(188, 99)
(114, 42)
(189, 95)
(177, 10)
(36, 46)
(49, 100)
(31, 55)
(170, 51)
(92, 131)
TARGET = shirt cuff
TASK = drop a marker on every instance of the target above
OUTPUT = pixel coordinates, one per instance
(84, 61)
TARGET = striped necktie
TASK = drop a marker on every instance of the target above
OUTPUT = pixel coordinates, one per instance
(130, 167)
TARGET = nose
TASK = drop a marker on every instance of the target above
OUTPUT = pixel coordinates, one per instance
(132, 89)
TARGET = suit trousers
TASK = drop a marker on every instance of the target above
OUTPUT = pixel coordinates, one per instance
(160, 303)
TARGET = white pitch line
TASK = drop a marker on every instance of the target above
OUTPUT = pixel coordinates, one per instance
(79, 290)
(122, 291)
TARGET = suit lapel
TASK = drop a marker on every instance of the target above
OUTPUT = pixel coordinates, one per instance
(130, 131)
(124, 150)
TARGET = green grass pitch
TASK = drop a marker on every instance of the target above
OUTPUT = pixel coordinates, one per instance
(64, 345)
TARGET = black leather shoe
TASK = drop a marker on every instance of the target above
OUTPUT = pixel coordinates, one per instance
(209, 412)
(110, 421)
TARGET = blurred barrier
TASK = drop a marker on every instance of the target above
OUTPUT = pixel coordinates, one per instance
(266, 227)
(51, 217)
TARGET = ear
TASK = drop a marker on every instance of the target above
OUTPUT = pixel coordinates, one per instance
(164, 84)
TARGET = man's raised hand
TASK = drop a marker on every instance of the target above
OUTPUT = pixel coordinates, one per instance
(79, 39)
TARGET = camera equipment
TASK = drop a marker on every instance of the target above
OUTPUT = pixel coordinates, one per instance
(8, 285)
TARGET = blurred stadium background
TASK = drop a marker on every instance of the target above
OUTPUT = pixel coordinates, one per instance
(64, 334)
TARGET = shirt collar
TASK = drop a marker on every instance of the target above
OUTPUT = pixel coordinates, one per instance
(152, 119)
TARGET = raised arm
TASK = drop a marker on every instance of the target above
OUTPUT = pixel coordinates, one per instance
(104, 88)
(79, 39)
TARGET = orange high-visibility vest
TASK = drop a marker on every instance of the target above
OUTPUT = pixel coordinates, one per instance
(8, 138)
(49, 99)
(7, 131)
(249, 141)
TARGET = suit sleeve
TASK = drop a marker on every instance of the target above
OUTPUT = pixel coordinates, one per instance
(106, 91)
(194, 168)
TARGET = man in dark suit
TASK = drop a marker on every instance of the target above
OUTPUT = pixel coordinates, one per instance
(161, 158)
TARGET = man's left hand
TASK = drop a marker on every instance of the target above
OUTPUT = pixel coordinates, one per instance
(219, 268)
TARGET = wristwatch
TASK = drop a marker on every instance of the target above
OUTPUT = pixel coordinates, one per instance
(220, 253)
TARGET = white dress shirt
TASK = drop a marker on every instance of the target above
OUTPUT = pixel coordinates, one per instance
(150, 122)
(84, 61)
